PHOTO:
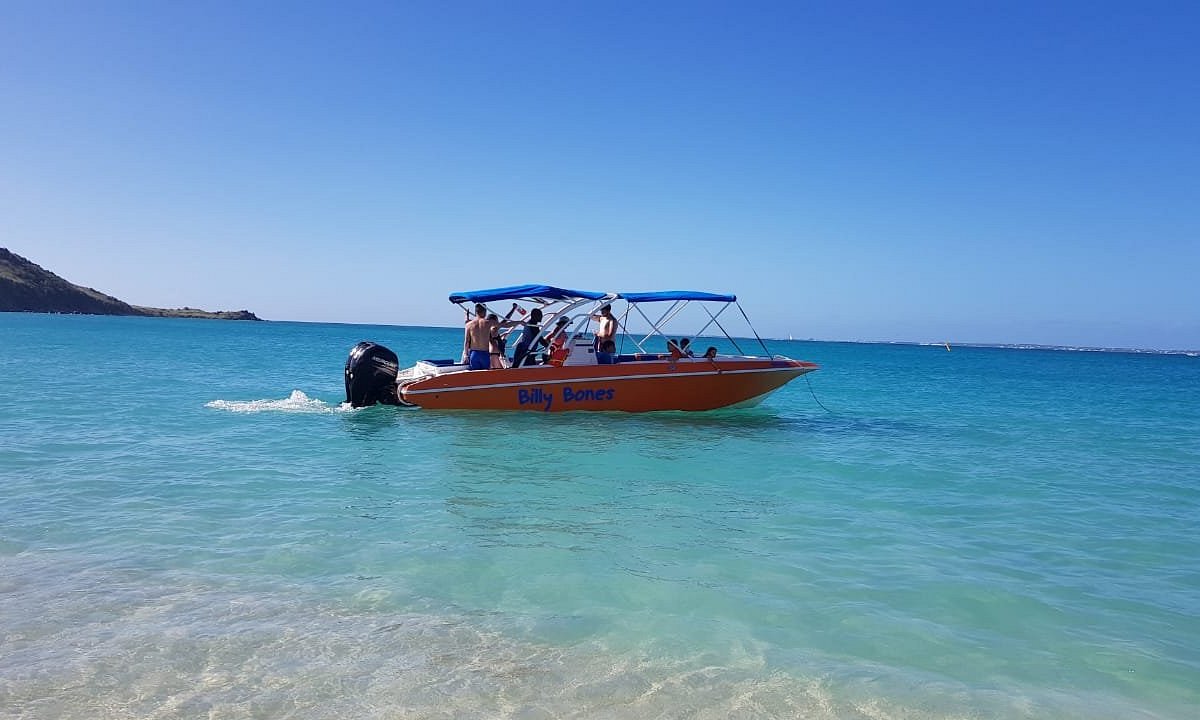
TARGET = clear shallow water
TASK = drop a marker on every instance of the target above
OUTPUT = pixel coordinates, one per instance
(976, 534)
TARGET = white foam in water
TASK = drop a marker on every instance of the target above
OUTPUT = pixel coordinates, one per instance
(297, 402)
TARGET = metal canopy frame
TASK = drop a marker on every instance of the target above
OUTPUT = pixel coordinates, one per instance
(559, 302)
(524, 292)
(679, 300)
(554, 304)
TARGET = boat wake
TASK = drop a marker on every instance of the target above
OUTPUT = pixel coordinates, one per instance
(297, 402)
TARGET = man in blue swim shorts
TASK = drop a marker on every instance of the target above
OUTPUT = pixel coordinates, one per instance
(477, 338)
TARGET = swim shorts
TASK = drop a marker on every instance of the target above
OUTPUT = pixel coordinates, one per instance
(480, 360)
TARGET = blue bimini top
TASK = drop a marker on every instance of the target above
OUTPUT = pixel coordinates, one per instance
(519, 292)
(666, 295)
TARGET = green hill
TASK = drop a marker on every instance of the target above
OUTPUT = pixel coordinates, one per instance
(27, 287)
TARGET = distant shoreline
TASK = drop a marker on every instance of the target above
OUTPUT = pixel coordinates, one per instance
(196, 314)
(27, 287)
(154, 313)
(1010, 346)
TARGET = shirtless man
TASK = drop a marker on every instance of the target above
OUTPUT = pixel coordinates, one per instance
(477, 339)
(606, 326)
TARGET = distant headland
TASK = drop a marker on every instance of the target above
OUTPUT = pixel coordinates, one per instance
(27, 287)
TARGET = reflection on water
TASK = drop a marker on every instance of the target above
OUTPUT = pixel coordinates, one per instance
(369, 420)
(744, 422)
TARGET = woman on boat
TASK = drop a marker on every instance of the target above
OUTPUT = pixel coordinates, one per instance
(497, 340)
(496, 344)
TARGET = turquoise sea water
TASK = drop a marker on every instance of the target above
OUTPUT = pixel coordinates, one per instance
(191, 526)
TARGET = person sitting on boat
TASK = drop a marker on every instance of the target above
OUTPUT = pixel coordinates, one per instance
(530, 329)
(685, 347)
(558, 342)
(710, 353)
(606, 326)
(673, 349)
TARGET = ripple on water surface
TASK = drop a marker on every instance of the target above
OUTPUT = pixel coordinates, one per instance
(982, 533)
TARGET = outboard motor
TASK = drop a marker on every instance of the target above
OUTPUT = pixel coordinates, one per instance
(371, 375)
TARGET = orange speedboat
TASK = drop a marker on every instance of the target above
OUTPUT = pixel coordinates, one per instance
(578, 375)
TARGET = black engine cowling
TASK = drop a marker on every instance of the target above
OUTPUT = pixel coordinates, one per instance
(371, 375)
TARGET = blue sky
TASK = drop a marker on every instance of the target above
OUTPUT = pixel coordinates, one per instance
(963, 171)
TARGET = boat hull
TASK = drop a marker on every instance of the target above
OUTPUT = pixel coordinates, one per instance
(692, 384)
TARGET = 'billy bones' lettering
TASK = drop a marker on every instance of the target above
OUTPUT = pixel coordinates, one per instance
(545, 398)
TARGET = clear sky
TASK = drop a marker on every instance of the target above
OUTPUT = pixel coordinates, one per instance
(963, 171)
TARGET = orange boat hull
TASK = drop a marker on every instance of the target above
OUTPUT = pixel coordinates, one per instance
(640, 386)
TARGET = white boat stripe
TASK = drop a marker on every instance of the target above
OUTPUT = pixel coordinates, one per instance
(533, 383)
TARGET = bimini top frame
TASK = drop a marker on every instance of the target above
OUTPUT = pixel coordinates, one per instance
(535, 293)
(555, 302)
(559, 302)
(680, 299)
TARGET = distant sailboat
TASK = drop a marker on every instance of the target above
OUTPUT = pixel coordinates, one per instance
(947, 346)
